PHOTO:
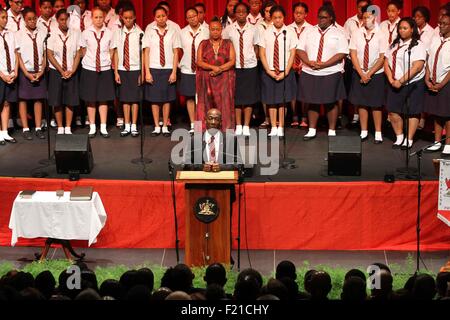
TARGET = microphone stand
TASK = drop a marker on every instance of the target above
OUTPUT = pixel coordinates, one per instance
(419, 154)
(141, 159)
(287, 163)
(240, 181)
(49, 160)
(174, 203)
(408, 172)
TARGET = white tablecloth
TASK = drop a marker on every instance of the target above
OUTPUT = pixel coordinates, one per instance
(47, 216)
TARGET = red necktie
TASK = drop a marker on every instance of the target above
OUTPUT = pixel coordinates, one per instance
(126, 52)
(297, 60)
(436, 59)
(82, 23)
(212, 150)
(47, 25)
(321, 43)
(394, 59)
(193, 60)
(366, 53)
(98, 67)
(35, 53)
(64, 55)
(276, 54)
(162, 54)
(8, 57)
(241, 48)
(17, 22)
(253, 23)
(391, 33)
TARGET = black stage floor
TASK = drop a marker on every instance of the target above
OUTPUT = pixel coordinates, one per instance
(112, 158)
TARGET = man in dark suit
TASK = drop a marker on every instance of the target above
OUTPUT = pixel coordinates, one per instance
(213, 147)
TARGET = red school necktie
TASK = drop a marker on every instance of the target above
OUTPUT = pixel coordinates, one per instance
(162, 54)
(241, 48)
(126, 52)
(366, 53)
(35, 53)
(82, 26)
(321, 44)
(193, 60)
(436, 59)
(297, 60)
(212, 150)
(394, 59)
(276, 54)
(391, 32)
(64, 54)
(8, 57)
(97, 56)
(17, 22)
(47, 25)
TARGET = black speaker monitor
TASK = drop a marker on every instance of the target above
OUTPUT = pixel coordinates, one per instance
(344, 156)
(73, 153)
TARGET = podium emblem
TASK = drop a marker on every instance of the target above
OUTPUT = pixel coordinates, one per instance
(206, 209)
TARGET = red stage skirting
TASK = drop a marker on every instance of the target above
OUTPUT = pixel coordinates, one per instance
(282, 216)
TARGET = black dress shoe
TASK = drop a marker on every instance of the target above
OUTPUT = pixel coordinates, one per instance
(40, 134)
(134, 133)
(305, 138)
(378, 142)
(396, 146)
(12, 140)
(166, 134)
(155, 133)
(125, 133)
(2, 142)
(105, 135)
(92, 135)
(27, 135)
(364, 139)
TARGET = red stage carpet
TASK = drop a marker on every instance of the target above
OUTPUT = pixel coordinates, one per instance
(292, 216)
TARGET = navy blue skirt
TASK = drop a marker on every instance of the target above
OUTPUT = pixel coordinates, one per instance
(160, 91)
(438, 103)
(32, 91)
(129, 90)
(272, 91)
(371, 94)
(186, 85)
(321, 89)
(396, 98)
(247, 88)
(8, 92)
(97, 86)
(63, 92)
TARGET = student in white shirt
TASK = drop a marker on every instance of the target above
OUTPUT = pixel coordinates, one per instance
(160, 45)
(9, 69)
(422, 18)
(443, 10)
(97, 77)
(437, 78)
(169, 22)
(389, 27)
(228, 16)
(265, 23)
(356, 22)
(85, 20)
(300, 12)
(322, 50)
(112, 19)
(46, 22)
(405, 94)
(255, 16)
(367, 48)
(191, 36)
(58, 5)
(64, 55)
(278, 81)
(127, 68)
(201, 11)
(15, 17)
(32, 61)
(245, 37)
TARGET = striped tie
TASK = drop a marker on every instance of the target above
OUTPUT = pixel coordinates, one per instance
(276, 54)
(82, 26)
(297, 60)
(193, 58)
(321, 43)
(17, 22)
(394, 60)
(35, 53)
(98, 67)
(241, 48)
(8, 57)
(435, 64)
(126, 52)
(47, 25)
(64, 55)
(391, 32)
(366, 53)
(212, 150)
(162, 54)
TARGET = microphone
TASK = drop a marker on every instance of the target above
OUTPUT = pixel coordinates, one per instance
(141, 35)
(284, 34)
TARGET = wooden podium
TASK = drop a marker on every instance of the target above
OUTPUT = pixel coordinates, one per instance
(208, 216)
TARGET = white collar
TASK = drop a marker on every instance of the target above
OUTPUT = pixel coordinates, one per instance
(395, 22)
(208, 135)
(199, 29)
(155, 27)
(92, 28)
(236, 25)
(274, 29)
(402, 43)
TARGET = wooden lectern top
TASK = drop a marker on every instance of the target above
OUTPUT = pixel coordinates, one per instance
(221, 177)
